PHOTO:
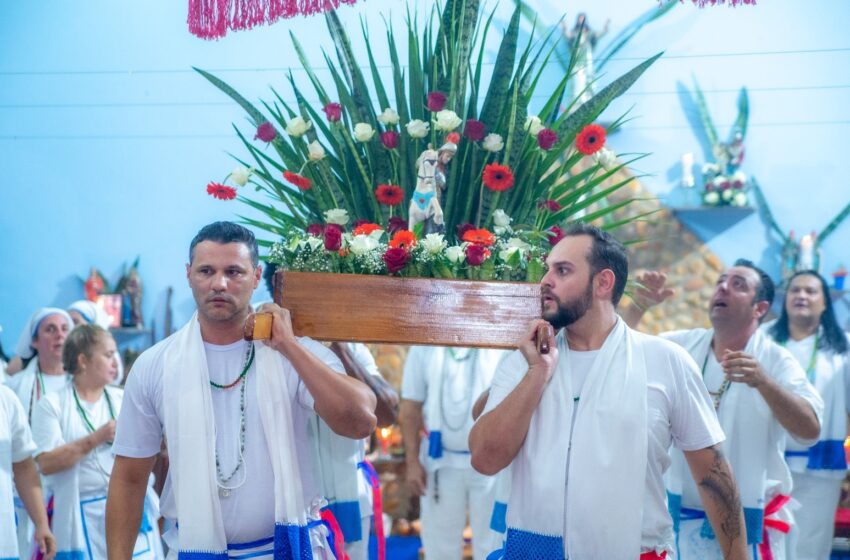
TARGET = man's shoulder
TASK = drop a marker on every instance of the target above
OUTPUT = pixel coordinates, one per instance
(8, 397)
(666, 360)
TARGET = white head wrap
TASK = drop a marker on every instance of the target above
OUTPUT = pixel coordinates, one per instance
(24, 348)
(92, 313)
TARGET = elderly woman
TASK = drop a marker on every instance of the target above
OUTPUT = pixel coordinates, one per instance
(73, 430)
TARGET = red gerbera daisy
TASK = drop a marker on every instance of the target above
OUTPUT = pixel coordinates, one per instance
(591, 139)
(299, 181)
(498, 177)
(366, 229)
(453, 137)
(221, 192)
(404, 239)
(389, 195)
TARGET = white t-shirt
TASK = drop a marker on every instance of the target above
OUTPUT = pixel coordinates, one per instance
(784, 369)
(248, 513)
(27, 392)
(95, 468)
(15, 433)
(679, 411)
(466, 373)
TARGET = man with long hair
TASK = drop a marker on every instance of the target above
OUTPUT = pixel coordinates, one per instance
(808, 329)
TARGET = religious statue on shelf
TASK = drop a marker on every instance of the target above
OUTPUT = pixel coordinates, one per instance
(444, 156)
(132, 293)
(425, 204)
(582, 40)
(93, 286)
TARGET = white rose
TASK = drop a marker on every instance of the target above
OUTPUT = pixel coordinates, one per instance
(740, 199)
(388, 117)
(533, 125)
(337, 216)
(362, 244)
(606, 158)
(316, 151)
(506, 254)
(711, 198)
(433, 243)
(376, 235)
(446, 120)
(298, 126)
(517, 243)
(493, 142)
(240, 175)
(710, 168)
(501, 218)
(312, 242)
(417, 128)
(456, 254)
(726, 195)
(363, 132)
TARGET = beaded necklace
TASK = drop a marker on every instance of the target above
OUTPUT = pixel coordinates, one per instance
(37, 388)
(249, 359)
(813, 359)
(715, 396)
(85, 416)
(223, 489)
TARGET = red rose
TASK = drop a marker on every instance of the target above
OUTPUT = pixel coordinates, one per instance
(436, 101)
(315, 230)
(266, 132)
(462, 229)
(474, 130)
(556, 235)
(476, 254)
(396, 259)
(549, 204)
(396, 223)
(546, 138)
(333, 111)
(389, 139)
(333, 238)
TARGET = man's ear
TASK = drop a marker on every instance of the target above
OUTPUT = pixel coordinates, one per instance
(258, 275)
(604, 280)
(761, 309)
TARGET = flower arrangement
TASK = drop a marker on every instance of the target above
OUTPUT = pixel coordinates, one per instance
(724, 183)
(339, 177)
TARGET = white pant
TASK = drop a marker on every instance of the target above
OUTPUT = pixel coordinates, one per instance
(444, 516)
(811, 536)
(359, 550)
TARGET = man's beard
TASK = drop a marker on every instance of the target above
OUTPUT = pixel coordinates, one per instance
(569, 312)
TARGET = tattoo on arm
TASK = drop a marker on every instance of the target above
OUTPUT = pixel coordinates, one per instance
(720, 485)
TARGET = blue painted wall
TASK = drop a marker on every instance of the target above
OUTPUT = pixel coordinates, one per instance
(108, 138)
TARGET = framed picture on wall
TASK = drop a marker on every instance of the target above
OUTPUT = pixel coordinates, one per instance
(111, 303)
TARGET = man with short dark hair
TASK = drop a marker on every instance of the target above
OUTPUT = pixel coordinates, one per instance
(759, 391)
(585, 427)
(233, 415)
(808, 329)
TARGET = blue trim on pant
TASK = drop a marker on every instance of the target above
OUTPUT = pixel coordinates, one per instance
(70, 555)
(753, 519)
(498, 520)
(292, 542)
(347, 515)
(435, 444)
(827, 455)
(525, 545)
(198, 555)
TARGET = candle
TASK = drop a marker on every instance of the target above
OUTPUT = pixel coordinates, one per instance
(806, 259)
(384, 437)
(688, 170)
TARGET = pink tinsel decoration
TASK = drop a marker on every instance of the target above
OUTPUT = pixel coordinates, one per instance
(210, 19)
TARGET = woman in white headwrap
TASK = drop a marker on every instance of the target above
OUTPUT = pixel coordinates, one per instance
(41, 344)
(85, 312)
(73, 430)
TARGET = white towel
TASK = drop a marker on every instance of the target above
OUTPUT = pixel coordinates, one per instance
(190, 427)
(604, 498)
